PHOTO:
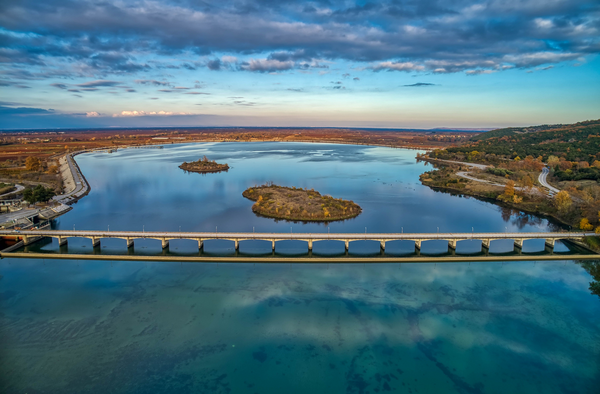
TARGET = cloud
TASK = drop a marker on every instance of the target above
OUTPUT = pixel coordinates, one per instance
(441, 36)
(478, 72)
(196, 93)
(398, 66)
(59, 85)
(540, 69)
(98, 83)
(188, 66)
(420, 84)
(152, 82)
(92, 114)
(150, 113)
(214, 64)
(24, 111)
(267, 65)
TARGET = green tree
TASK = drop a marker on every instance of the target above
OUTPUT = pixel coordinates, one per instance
(38, 194)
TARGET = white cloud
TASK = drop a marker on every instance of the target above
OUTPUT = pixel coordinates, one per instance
(267, 65)
(150, 113)
(92, 114)
(398, 66)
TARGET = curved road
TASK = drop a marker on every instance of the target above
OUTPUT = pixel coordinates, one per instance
(541, 178)
(543, 182)
(18, 188)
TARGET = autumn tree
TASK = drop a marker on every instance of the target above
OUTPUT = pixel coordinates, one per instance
(585, 225)
(553, 161)
(33, 163)
(527, 181)
(565, 165)
(509, 189)
(562, 200)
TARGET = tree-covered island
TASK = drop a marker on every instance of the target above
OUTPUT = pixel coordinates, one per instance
(291, 203)
(204, 165)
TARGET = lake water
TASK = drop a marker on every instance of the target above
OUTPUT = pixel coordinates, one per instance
(147, 327)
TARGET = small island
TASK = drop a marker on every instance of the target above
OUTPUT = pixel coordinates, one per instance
(297, 204)
(204, 165)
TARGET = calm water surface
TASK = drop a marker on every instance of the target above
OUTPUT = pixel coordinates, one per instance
(129, 327)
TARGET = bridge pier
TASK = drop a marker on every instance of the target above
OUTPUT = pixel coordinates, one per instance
(550, 244)
(62, 241)
(273, 245)
(200, 245)
(237, 245)
(418, 245)
(519, 244)
(129, 242)
(347, 245)
(485, 245)
(95, 241)
(452, 244)
(310, 245)
(165, 243)
(382, 246)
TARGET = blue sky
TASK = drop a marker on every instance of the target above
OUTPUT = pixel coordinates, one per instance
(396, 63)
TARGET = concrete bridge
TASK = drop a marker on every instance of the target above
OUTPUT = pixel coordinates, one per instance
(30, 236)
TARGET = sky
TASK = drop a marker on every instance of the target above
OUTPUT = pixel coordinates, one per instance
(335, 63)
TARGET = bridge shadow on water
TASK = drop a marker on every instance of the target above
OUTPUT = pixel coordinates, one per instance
(293, 248)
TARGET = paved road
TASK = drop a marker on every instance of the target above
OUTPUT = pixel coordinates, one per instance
(541, 177)
(544, 183)
(17, 215)
(18, 189)
(466, 176)
(80, 184)
(474, 165)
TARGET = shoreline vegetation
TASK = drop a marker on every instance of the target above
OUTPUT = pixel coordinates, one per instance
(510, 162)
(204, 166)
(529, 199)
(297, 204)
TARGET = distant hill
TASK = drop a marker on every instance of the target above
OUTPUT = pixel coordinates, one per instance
(516, 130)
(574, 142)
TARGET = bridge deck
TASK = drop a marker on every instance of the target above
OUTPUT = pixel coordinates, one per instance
(296, 236)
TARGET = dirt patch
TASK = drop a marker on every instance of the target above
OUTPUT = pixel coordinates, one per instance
(292, 203)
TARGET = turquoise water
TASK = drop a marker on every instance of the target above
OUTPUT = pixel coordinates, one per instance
(129, 327)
